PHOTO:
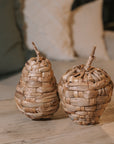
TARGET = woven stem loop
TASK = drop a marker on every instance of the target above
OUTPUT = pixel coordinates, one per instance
(36, 50)
(90, 59)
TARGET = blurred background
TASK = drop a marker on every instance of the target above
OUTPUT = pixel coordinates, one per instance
(62, 30)
(107, 12)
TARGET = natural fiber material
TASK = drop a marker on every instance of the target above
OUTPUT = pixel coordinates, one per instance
(85, 91)
(36, 92)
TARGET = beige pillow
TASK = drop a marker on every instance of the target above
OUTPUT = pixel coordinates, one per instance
(47, 25)
(88, 30)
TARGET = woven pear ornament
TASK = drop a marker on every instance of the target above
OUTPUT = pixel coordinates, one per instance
(36, 93)
(85, 91)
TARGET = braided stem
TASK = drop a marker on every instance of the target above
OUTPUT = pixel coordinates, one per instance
(36, 50)
(90, 59)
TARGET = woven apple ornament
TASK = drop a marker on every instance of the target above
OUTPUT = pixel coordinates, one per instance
(85, 91)
(36, 93)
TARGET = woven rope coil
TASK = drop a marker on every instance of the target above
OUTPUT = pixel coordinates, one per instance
(85, 91)
(36, 92)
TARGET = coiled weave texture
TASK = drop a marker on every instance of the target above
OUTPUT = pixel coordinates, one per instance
(85, 94)
(36, 92)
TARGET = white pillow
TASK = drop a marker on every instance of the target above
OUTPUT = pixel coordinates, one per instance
(88, 31)
(47, 25)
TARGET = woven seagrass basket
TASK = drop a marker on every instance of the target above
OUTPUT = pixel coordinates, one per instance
(36, 93)
(85, 91)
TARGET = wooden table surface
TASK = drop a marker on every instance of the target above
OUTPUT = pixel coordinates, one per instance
(16, 128)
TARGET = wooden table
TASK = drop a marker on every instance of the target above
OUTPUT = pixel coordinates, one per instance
(16, 128)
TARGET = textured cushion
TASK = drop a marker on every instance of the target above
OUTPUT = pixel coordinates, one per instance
(109, 39)
(47, 25)
(11, 51)
(87, 30)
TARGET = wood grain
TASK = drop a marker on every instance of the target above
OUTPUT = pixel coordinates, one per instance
(16, 128)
